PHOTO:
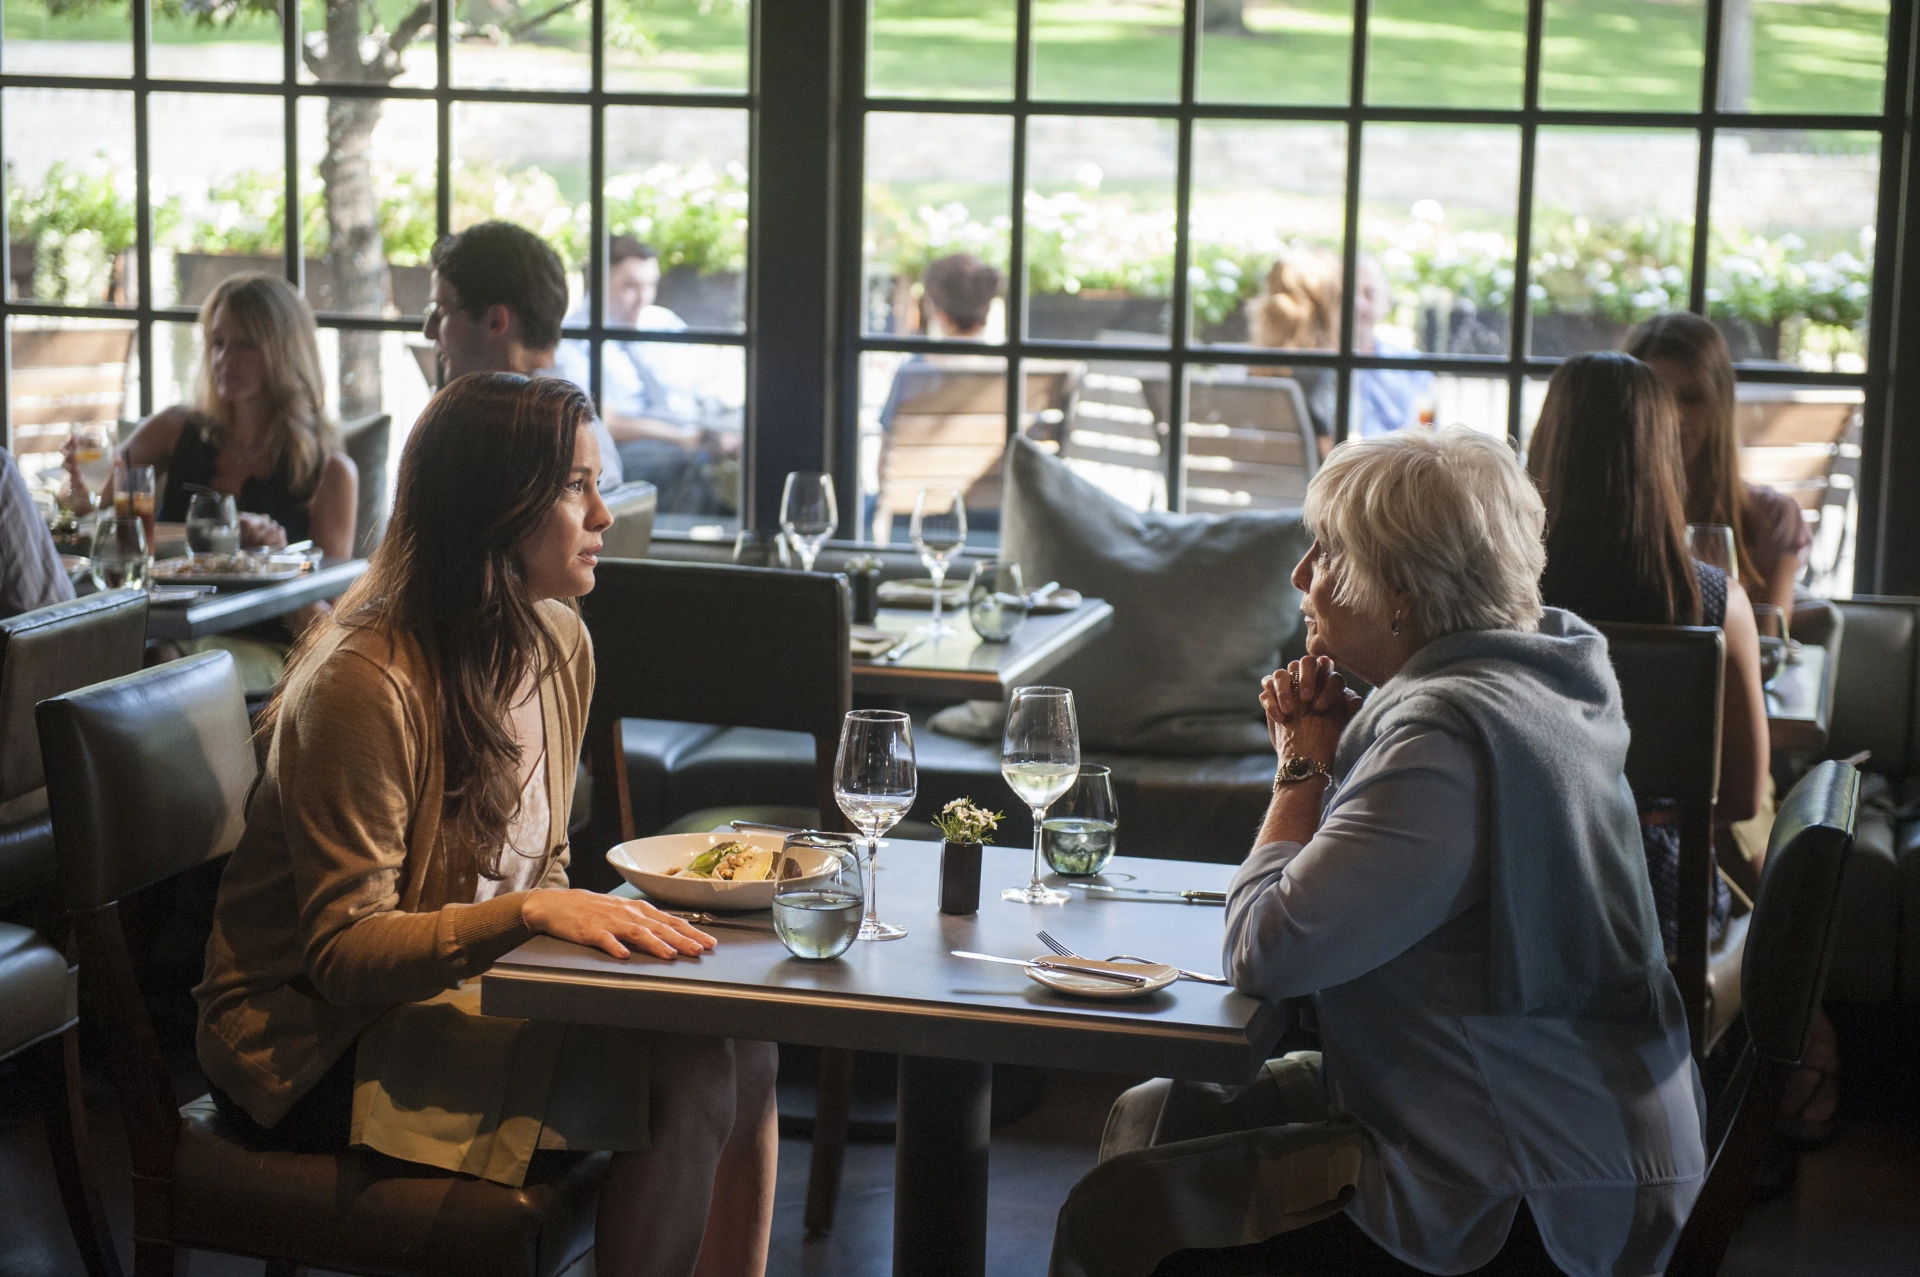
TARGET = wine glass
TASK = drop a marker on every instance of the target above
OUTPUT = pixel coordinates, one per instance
(1080, 830)
(874, 783)
(1712, 544)
(121, 555)
(93, 458)
(1040, 757)
(939, 527)
(808, 513)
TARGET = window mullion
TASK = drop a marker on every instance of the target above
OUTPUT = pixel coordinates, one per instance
(1179, 331)
(1520, 303)
(597, 229)
(1350, 223)
(1016, 291)
(1703, 176)
(142, 207)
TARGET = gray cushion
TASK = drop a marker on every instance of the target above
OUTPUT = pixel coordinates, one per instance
(1203, 608)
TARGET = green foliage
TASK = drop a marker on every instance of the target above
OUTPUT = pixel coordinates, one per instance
(693, 216)
(1626, 271)
(78, 217)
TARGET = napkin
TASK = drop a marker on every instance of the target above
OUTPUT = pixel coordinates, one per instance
(869, 643)
(918, 592)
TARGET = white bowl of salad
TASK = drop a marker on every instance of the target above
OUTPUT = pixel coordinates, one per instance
(709, 871)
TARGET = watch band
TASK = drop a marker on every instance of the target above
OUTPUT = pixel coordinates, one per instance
(1294, 770)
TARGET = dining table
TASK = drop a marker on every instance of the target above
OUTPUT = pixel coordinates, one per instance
(235, 607)
(949, 1019)
(1800, 700)
(962, 666)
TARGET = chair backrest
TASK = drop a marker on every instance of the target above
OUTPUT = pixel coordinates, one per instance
(947, 427)
(1249, 444)
(1789, 944)
(60, 378)
(147, 776)
(56, 649)
(1119, 419)
(1671, 683)
(730, 646)
(632, 506)
(367, 442)
(1876, 690)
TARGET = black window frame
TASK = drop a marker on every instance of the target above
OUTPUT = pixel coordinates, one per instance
(1897, 223)
(292, 90)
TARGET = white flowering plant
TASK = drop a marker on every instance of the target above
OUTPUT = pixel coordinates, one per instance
(962, 821)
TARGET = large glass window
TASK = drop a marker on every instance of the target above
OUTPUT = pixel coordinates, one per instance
(1227, 256)
(217, 117)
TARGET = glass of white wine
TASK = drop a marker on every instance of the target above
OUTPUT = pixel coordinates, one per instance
(874, 782)
(939, 528)
(93, 458)
(1040, 757)
(808, 513)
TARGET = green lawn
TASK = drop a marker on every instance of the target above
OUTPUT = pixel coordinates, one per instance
(1633, 54)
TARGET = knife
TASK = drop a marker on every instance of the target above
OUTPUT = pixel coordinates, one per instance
(718, 920)
(1191, 897)
(893, 654)
(1064, 968)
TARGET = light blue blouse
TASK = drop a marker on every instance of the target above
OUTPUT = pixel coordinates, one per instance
(1382, 917)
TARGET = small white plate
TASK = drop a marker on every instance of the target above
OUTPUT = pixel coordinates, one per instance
(644, 863)
(1158, 975)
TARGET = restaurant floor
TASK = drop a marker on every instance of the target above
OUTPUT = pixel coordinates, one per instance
(1851, 1210)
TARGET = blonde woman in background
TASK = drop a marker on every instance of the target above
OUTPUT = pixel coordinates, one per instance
(1299, 309)
(256, 428)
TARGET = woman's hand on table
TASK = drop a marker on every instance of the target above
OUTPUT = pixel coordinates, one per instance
(612, 925)
(1307, 704)
(260, 529)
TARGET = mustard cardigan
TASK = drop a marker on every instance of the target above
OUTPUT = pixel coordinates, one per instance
(341, 900)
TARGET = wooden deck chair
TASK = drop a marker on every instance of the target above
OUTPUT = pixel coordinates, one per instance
(60, 378)
(1249, 443)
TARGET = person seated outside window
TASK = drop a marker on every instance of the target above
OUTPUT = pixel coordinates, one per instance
(1691, 356)
(31, 574)
(646, 391)
(498, 295)
(1607, 457)
(1451, 872)
(1299, 309)
(959, 291)
(409, 828)
(256, 428)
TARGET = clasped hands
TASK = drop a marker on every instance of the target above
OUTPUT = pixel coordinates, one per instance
(1307, 705)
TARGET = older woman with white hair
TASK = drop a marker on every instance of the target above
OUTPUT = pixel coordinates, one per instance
(1450, 872)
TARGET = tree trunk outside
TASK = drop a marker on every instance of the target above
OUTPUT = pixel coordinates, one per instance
(355, 252)
(1223, 17)
(1736, 55)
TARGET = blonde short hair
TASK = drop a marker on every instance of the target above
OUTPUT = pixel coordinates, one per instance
(1446, 517)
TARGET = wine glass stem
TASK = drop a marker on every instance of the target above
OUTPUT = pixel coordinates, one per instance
(807, 552)
(1039, 814)
(939, 570)
(873, 880)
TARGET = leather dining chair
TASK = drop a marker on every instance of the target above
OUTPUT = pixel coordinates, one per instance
(43, 653)
(148, 776)
(725, 646)
(1671, 685)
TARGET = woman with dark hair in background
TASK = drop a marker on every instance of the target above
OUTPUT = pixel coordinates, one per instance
(1607, 458)
(1691, 357)
(409, 828)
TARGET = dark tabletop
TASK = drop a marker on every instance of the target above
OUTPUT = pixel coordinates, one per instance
(232, 609)
(1800, 701)
(910, 996)
(962, 667)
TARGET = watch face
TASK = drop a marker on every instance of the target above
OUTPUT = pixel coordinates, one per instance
(1299, 769)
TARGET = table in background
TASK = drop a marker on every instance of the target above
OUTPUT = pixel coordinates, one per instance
(948, 1018)
(1800, 701)
(230, 608)
(961, 667)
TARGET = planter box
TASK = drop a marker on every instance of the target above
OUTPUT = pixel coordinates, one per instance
(1084, 316)
(1557, 335)
(704, 301)
(198, 274)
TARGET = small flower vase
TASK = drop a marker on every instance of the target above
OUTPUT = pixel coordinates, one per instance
(959, 877)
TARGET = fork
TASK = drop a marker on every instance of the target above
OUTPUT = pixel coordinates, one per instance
(1185, 974)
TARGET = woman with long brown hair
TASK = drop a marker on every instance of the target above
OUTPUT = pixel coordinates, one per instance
(1691, 357)
(1606, 456)
(409, 829)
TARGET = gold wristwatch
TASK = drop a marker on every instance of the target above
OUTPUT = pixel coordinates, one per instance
(1294, 770)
